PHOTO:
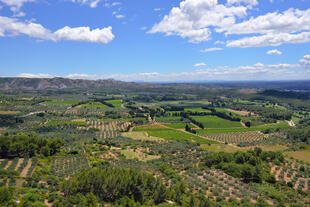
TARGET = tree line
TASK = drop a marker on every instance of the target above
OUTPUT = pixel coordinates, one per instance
(28, 144)
(251, 166)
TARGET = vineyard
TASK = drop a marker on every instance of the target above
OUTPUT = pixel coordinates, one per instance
(236, 137)
(219, 186)
(18, 167)
(68, 166)
(105, 129)
(291, 175)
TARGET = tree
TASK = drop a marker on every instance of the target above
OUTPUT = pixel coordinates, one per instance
(5, 195)
(248, 123)
(90, 200)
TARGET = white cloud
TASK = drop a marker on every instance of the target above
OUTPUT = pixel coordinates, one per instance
(249, 3)
(199, 64)
(31, 75)
(16, 3)
(290, 21)
(158, 9)
(84, 34)
(193, 17)
(196, 19)
(109, 5)
(15, 6)
(270, 40)
(274, 52)
(143, 28)
(91, 3)
(291, 26)
(94, 4)
(305, 61)
(211, 49)
(120, 16)
(13, 27)
(219, 42)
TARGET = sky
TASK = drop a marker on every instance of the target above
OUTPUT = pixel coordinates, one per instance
(156, 40)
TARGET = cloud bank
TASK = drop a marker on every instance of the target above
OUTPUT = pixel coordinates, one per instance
(14, 27)
(258, 71)
(196, 20)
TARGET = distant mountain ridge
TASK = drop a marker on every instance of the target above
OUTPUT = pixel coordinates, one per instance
(65, 83)
(54, 83)
(15, 83)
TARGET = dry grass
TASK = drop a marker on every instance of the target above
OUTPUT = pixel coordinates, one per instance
(141, 136)
(138, 154)
(149, 126)
(271, 147)
(221, 148)
(233, 148)
(9, 112)
(241, 113)
(303, 155)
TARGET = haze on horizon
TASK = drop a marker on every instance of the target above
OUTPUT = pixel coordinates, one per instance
(156, 40)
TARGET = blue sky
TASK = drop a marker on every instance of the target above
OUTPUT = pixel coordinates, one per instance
(156, 40)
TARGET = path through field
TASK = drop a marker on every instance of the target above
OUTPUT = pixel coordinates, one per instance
(25, 170)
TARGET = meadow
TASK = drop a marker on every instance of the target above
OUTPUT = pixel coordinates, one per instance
(178, 125)
(93, 105)
(64, 102)
(116, 103)
(215, 122)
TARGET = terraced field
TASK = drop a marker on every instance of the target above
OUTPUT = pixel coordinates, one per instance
(68, 166)
(292, 176)
(106, 129)
(24, 168)
(236, 137)
(219, 186)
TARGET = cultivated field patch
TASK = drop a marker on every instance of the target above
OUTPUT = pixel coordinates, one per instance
(68, 166)
(141, 136)
(215, 122)
(178, 125)
(236, 137)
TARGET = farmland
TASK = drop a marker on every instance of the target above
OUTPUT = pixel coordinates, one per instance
(115, 103)
(197, 151)
(64, 102)
(236, 137)
(215, 122)
(92, 105)
(179, 125)
(68, 166)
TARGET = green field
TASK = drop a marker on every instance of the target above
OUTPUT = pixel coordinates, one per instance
(65, 102)
(256, 128)
(179, 125)
(116, 103)
(199, 109)
(77, 123)
(93, 105)
(168, 118)
(216, 122)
